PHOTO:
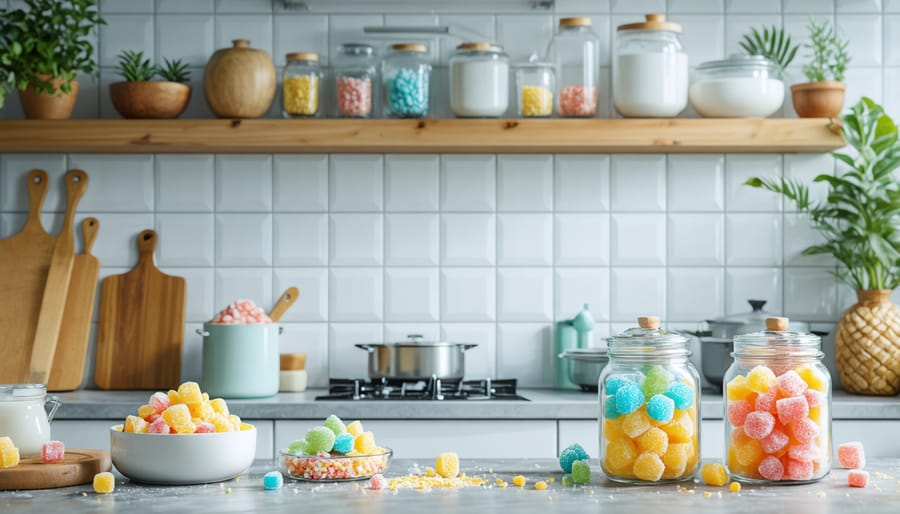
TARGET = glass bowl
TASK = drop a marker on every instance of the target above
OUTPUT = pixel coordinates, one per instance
(334, 468)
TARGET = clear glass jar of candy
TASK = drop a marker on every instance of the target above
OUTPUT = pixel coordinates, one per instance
(406, 73)
(354, 79)
(649, 407)
(535, 83)
(778, 407)
(301, 85)
(575, 51)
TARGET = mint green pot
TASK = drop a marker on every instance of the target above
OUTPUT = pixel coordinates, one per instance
(240, 361)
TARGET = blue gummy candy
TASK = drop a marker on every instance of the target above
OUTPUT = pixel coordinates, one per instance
(661, 408)
(629, 398)
(609, 407)
(682, 394)
(570, 455)
(343, 444)
(613, 384)
(408, 93)
(272, 480)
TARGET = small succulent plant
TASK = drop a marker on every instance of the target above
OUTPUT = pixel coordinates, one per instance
(174, 71)
(134, 68)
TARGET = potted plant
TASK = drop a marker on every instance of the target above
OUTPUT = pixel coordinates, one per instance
(823, 95)
(773, 44)
(860, 224)
(141, 97)
(42, 47)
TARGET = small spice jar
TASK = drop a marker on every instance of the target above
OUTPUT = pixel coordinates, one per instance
(479, 81)
(575, 51)
(649, 407)
(24, 418)
(778, 407)
(292, 378)
(354, 77)
(535, 84)
(406, 72)
(300, 85)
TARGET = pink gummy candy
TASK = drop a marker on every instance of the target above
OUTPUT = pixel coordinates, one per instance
(737, 412)
(804, 429)
(53, 452)
(857, 478)
(851, 455)
(159, 426)
(159, 401)
(758, 424)
(242, 312)
(792, 409)
(766, 402)
(774, 442)
(791, 384)
(805, 452)
(798, 470)
(377, 482)
(205, 427)
(814, 398)
(771, 468)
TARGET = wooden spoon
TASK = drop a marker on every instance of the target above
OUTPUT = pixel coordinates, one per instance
(281, 306)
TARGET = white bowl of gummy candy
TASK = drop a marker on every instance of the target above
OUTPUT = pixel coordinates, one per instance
(175, 440)
(334, 452)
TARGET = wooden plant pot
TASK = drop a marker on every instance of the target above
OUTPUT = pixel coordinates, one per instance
(818, 99)
(150, 100)
(867, 345)
(55, 106)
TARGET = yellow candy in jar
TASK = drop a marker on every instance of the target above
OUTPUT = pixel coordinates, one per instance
(536, 101)
(301, 95)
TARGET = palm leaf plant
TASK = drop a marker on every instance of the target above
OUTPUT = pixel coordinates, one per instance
(772, 43)
(174, 71)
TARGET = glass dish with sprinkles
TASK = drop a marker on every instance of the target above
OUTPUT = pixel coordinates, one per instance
(325, 467)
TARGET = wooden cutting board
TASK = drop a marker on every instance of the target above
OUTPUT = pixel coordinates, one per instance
(141, 325)
(75, 333)
(78, 467)
(24, 259)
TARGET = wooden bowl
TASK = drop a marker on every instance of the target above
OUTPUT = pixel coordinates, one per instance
(818, 99)
(149, 100)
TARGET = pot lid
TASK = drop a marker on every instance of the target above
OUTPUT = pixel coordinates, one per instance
(756, 316)
(776, 339)
(586, 354)
(654, 22)
(648, 333)
(414, 340)
(357, 49)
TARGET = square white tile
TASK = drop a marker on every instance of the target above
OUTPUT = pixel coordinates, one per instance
(243, 6)
(342, 340)
(525, 351)
(188, 239)
(737, 25)
(753, 240)
(467, 182)
(188, 37)
(411, 294)
(300, 33)
(116, 183)
(696, 182)
(255, 27)
(739, 168)
(863, 82)
(638, 182)
(356, 182)
(356, 294)
(14, 170)
(481, 361)
(808, 7)
(412, 239)
(703, 37)
(799, 235)
(234, 284)
(581, 239)
(637, 6)
(578, 286)
(191, 355)
(312, 302)
(116, 243)
(356, 239)
(403, 331)
(695, 294)
(696, 239)
(858, 6)
(695, 6)
(243, 183)
(637, 292)
(482, 26)
(411, 182)
(200, 287)
(524, 182)
(524, 240)
(468, 294)
(805, 168)
(638, 239)
(126, 32)
(524, 294)
(184, 183)
(578, 7)
(300, 240)
(523, 35)
(581, 183)
(301, 183)
(349, 27)
(311, 339)
(810, 294)
(185, 6)
(891, 40)
(244, 239)
(891, 95)
(742, 284)
(759, 6)
(863, 31)
(468, 239)
(126, 6)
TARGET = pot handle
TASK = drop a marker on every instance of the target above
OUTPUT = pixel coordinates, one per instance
(367, 347)
(54, 404)
(202, 332)
(468, 346)
(280, 330)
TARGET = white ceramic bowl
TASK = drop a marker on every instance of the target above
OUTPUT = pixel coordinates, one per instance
(181, 459)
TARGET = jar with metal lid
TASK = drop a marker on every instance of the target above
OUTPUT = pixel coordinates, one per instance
(406, 72)
(778, 407)
(649, 407)
(354, 77)
(24, 418)
(300, 85)
(742, 86)
(479, 80)
(535, 84)
(650, 69)
(575, 52)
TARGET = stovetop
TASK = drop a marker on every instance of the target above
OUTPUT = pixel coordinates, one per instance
(434, 389)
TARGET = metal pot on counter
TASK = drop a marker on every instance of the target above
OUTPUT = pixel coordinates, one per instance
(585, 365)
(417, 359)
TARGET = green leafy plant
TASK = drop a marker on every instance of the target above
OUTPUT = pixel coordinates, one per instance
(860, 218)
(174, 71)
(829, 53)
(773, 44)
(134, 68)
(47, 39)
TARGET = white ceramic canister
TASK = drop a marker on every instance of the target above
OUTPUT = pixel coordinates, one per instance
(24, 416)
(650, 69)
(240, 361)
(479, 81)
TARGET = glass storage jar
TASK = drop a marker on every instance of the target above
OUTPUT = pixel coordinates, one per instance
(575, 52)
(650, 69)
(354, 78)
(479, 81)
(778, 407)
(23, 416)
(300, 85)
(406, 72)
(743, 86)
(535, 84)
(649, 407)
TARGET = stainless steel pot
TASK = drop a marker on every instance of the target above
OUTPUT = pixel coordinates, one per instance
(754, 321)
(417, 359)
(585, 365)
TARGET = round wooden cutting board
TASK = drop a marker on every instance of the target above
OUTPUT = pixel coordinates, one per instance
(78, 467)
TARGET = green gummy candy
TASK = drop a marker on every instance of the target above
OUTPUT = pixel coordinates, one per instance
(335, 424)
(655, 383)
(298, 446)
(319, 440)
(581, 472)
(567, 480)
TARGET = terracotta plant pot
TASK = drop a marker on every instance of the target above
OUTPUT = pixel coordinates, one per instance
(149, 100)
(55, 106)
(818, 99)
(239, 82)
(867, 345)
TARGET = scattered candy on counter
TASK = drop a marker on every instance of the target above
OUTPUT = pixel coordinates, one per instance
(536, 101)
(241, 312)
(519, 481)
(578, 101)
(354, 96)
(540, 486)
(104, 483)
(53, 452)
(714, 473)
(183, 411)
(851, 455)
(571, 454)
(857, 478)
(408, 93)
(581, 472)
(301, 97)
(447, 465)
(377, 482)
(9, 454)
(332, 452)
(734, 487)
(273, 480)
(567, 480)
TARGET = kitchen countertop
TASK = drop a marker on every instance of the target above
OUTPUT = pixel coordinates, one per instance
(543, 404)
(245, 494)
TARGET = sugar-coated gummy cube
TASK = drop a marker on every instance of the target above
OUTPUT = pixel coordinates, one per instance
(676, 459)
(355, 428)
(629, 398)
(567, 480)
(219, 406)
(807, 452)
(614, 383)
(737, 388)
(273, 480)
(681, 428)
(145, 411)
(298, 447)
(682, 394)
(343, 444)
(363, 443)
(766, 401)
(159, 426)
(661, 408)
(649, 467)
(377, 482)
(222, 423)
(190, 392)
(201, 410)
(612, 429)
(6, 442)
(654, 440)
(609, 407)
(749, 453)
(804, 430)
(9, 457)
(737, 412)
(734, 487)
(761, 379)
(758, 424)
(771, 468)
(104, 483)
(581, 472)
(790, 384)
(177, 415)
(636, 423)
(569, 455)
(519, 481)
(714, 473)
(852, 455)
(774, 442)
(656, 381)
(857, 478)
(447, 465)
(53, 452)
(205, 427)
(791, 409)
(620, 455)
(159, 402)
(814, 398)
(135, 424)
(335, 424)
(798, 470)
(320, 439)
(235, 422)
(814, 378)
(540, 485)
(174, 397)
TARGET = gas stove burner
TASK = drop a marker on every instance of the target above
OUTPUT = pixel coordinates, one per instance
(426, 389)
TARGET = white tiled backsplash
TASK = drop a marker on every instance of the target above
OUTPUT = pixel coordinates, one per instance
(481, 248)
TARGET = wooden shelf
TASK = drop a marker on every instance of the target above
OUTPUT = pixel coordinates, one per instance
(420, 136)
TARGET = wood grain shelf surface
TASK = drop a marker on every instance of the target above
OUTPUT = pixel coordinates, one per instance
(810, 135)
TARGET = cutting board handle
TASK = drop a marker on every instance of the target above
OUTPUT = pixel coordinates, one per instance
(37, 191)
(89, 229)
(76, 185)
(146, 243)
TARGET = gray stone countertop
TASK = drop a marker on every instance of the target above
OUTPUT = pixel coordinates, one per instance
(246, 494)
(543, 404)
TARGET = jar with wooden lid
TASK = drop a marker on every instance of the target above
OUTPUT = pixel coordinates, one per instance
(300, 85)
(536, 84)
(292, 378)
(575, 52)
(239, 82)
(406, 72)
(479, 80)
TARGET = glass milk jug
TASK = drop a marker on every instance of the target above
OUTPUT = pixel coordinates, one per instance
(24, 418)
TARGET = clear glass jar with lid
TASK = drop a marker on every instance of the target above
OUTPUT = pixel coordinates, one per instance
(575, 52)
(406, 72)
(742, 86)
(649, 407)
(778, 407)
(479, 80)
(301, 85)
(355, 73)
(24, 418)
(535, 84)
(650, 69)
